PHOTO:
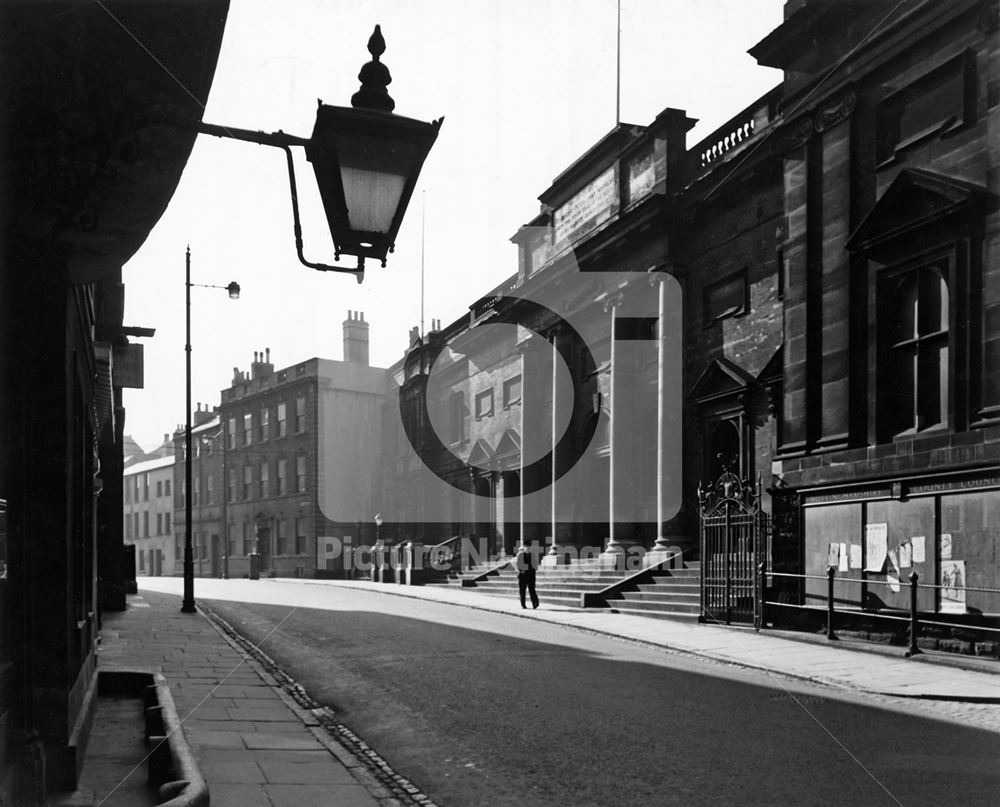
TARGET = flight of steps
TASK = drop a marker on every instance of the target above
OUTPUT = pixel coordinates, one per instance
(672, 594)
(557, 585)
(669, 594)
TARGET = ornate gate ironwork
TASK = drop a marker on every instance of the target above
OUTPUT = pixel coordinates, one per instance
(734, 535)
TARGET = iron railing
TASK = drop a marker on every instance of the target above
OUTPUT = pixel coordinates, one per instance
(914, 618)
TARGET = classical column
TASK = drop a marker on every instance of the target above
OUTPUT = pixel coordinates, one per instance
(497, 512)
(668, 408)
(555, 555)
(523, 349)
(616, 435)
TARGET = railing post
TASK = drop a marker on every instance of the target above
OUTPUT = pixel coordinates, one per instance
(831, 573)
(914, 624)
(759, 621)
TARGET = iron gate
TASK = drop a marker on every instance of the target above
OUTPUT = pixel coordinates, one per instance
(734, 532)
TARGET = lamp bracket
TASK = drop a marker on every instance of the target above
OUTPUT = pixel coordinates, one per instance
(284, 141)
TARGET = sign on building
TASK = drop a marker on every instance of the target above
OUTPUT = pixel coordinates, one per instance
(588, 209)
(128, 366)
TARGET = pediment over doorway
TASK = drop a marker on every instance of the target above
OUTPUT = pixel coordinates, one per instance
(721, 379)
(509, 448)
(481, 455)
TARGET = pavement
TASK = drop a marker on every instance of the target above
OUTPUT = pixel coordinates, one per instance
(256, 746)
(253, 744)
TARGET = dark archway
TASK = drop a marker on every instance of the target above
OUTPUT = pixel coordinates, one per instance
(723, 450)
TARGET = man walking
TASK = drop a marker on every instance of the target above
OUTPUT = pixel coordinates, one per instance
(524, 563)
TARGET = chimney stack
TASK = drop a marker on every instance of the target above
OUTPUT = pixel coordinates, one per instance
(202, 415)
(356, 338)
(261, 368)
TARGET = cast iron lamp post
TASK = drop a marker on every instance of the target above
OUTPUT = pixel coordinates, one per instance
(233, 288)
(366, 162)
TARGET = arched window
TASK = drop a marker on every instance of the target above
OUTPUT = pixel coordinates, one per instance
(916, 384)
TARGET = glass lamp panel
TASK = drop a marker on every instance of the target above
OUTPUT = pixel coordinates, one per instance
(374, 170)
(372, 198)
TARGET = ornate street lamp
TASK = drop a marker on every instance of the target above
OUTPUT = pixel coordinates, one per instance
(366, 161)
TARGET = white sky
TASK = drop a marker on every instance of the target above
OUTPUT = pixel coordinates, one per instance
(525, 86)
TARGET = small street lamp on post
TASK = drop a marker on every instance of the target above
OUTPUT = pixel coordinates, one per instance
(378, 556)
(187, 606)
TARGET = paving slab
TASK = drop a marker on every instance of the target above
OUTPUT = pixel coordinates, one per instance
(251, 745)
(317, 795)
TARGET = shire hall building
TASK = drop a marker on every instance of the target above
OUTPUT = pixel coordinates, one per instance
(801, 311)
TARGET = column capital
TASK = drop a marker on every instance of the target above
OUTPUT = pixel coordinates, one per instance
(659, 274)
(613, 300)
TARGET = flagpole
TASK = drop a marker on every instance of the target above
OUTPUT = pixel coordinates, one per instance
(618, 69)
(423, 231)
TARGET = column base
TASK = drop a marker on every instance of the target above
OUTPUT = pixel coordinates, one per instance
(665, 550)
(623, 555)
(555, 556)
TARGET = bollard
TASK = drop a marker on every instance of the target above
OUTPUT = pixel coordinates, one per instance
(831, 572)
(914, 625)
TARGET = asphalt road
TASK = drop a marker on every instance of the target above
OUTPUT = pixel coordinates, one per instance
(480, 708)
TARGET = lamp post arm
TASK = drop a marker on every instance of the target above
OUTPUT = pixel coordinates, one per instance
(359, 273)
(207, 286)
(283, 141)
(279, 138)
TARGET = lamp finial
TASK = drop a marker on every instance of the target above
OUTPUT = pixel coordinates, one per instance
(374, 77)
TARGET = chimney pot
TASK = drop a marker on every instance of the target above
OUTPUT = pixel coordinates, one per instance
(267, 350)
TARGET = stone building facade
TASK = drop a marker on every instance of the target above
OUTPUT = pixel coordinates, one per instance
(889, 441)
(208, 553)
(643, 330)
(148, 515)
(298, 448)
(835, 250)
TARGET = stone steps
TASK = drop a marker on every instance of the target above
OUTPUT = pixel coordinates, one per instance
(551, 596)
(671, 593)
(665, 597)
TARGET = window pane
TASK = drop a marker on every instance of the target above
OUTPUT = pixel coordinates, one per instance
(898, 396)
(726, 298)
(906, 307)
(484, 403)
(512, 391)
(933, 302)
(932, 385)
